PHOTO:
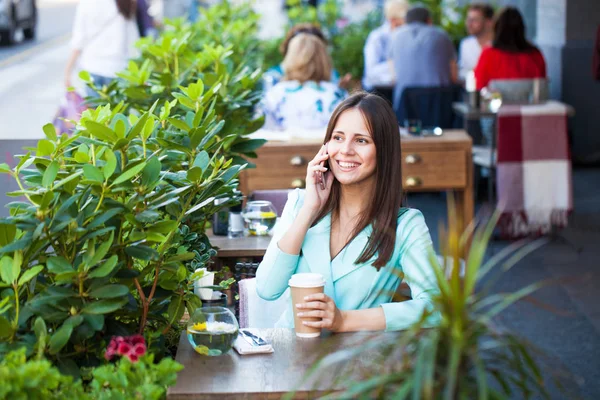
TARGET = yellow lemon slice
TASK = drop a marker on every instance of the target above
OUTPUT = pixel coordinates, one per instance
(199, 326)
(200, 349)
(268, 214)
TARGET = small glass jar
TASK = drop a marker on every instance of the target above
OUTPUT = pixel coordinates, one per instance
(212, 330)
(236, 222)
(260, 217)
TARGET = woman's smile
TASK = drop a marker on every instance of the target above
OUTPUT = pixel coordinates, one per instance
(347, 166)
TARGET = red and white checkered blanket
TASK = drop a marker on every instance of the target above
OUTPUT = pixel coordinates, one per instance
(534, 185)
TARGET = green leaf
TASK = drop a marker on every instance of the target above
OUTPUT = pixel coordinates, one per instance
(29, 274)
(200, 205)
(60, 338)
(4, 168)
(176, 309)
(102, 218)
(202, 160)
(142, 252)
(50, 132)
(10, 268)
(85, 76)
(104, 306)
(58, 265)
(5, 328)
(130, 173)
(96, 322)
(147, 216)
(45, 147)
(163, 226)
(101, 132)
(7, 234)
(92, 173)
(248, 145)
(137, 128)
(151, 173)
(109, 291)
(179, 124)
(111, 163)
(68, 179)
(106, 268)
(20, 244)
(50, 174)
(24, 162)
(194, 174)
(82, 158)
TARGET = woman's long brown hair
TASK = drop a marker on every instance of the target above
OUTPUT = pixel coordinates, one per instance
(386, 200)
(127, 8)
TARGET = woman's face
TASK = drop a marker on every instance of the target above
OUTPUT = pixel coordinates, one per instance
(352, 153)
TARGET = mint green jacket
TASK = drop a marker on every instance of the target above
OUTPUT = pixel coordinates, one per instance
(352, 286)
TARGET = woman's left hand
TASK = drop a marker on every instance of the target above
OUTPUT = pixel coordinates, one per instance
(319, 305)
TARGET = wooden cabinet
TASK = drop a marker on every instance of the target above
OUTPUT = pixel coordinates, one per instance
(428, 164)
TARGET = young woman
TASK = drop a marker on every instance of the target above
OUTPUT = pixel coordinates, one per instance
(511, 55)
(348, 225)
(104, 36)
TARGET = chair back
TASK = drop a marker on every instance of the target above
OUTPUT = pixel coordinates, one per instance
(277, 197)
(521, 91)
(256, 312)
(431, 105)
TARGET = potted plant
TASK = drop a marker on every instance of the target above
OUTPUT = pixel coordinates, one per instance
(456, 350)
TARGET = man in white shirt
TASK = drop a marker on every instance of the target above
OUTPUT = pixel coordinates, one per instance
(378, 71)
(480, 26)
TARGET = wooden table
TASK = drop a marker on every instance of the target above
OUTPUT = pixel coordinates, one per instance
(247, 246)
(432, 163)
(265, 376)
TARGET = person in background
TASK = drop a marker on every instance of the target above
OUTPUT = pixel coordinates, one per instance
(306, 97)
(511, 55)
(143, 19)
(377, 71)
(104, 36)
(422, 55)
(274, 74)
(349, 226)
(480, 26)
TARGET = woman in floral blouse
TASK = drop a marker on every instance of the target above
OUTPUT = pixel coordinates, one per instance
(305, 98)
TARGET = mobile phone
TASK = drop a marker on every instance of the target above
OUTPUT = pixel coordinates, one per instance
(322, 177)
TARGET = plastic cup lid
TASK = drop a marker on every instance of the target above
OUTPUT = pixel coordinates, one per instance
(307, 280)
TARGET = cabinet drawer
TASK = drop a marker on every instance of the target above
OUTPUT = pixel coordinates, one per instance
(283, 162)
(422, 170)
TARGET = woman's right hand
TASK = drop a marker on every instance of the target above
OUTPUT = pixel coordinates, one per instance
(318, 183)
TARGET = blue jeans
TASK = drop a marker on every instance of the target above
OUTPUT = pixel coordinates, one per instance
(99, 81)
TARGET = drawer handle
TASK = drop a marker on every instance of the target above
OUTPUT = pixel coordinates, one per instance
(412, 159)
(298, 183)
(297, 161)
(413, 181)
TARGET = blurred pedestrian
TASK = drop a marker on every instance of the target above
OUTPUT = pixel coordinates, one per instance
(511, 55)
(378, 70)
(423, 55)
(104, 36)
(480, 27)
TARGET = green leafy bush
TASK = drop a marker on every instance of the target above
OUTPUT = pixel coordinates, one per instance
(220, 52)
(39, 379)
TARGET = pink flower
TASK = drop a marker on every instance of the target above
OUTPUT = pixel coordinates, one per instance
(342, 23)
(123, 348)
(138, 349)
(137, 339)
(132, 347)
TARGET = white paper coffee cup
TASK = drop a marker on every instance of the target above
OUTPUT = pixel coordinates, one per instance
(302, 285)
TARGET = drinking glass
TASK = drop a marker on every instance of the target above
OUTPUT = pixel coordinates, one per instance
(413, 126)
(212, 330)
(260, 217)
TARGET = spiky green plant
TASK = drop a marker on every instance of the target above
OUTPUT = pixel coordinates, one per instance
(465, 355)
